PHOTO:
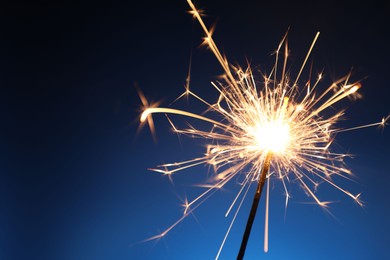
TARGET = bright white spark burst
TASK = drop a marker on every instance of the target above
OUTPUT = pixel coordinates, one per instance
(277, 119)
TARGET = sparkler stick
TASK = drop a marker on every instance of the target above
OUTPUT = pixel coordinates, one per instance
(256, 199)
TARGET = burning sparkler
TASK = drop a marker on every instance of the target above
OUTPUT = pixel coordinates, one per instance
(274, 131)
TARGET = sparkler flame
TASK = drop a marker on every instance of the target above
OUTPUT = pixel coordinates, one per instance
(277, 118)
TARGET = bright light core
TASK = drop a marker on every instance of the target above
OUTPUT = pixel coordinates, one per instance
(273, 136)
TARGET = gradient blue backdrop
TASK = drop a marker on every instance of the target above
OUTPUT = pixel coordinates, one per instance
(74, 182)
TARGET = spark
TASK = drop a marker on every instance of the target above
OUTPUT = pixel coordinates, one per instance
(259, 118)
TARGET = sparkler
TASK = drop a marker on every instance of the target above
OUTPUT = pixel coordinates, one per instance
(275, 131)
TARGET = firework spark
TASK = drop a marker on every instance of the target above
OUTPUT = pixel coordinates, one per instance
(277, 124)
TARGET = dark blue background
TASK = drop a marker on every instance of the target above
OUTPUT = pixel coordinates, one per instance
(74, 182)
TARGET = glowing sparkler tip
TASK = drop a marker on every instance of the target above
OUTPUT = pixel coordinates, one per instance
(272, 136)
